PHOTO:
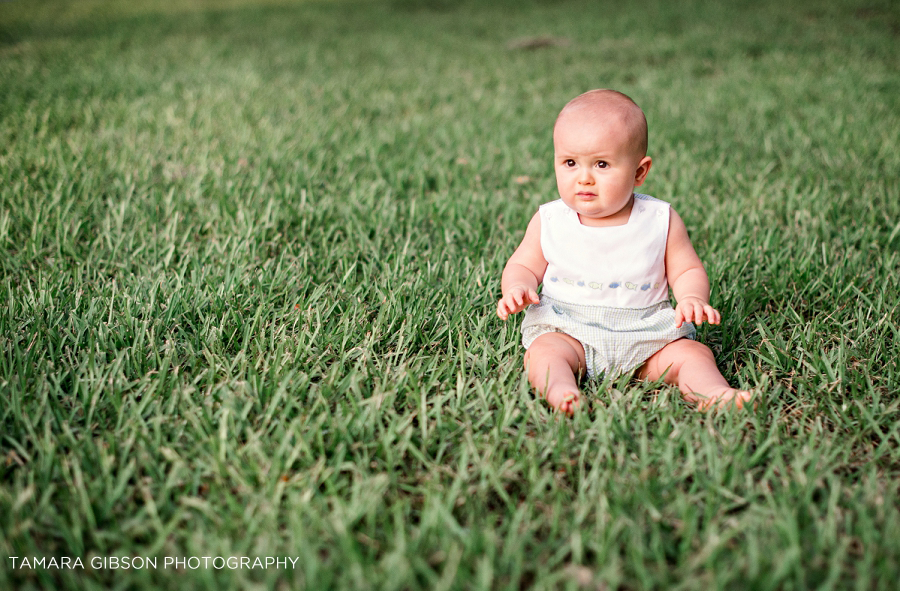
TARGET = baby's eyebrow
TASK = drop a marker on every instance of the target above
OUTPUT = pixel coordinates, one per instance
(598, 156)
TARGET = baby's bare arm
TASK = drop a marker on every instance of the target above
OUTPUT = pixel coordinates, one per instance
(686, 275)
(523, 272)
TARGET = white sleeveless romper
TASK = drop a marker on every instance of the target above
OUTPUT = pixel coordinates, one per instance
(606, 287)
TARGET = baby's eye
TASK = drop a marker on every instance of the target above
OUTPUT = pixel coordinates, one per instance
(602, 164)
(569, 163)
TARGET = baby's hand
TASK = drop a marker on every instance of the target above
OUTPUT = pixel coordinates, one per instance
(515, 300)
(693, 309)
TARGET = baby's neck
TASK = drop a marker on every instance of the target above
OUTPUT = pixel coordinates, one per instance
(620, 218)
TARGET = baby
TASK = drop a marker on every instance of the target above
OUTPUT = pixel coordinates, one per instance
(606, 257)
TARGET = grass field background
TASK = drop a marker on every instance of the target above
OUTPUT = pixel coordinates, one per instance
(250, 257)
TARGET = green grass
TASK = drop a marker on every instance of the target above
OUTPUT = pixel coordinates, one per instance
(250, 258)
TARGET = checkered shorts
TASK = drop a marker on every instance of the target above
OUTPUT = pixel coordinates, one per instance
(615, 340)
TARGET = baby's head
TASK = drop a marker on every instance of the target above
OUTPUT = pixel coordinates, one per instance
(606, 107)
(600, 155)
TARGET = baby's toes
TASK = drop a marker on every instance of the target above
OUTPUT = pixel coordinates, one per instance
(737, 398)
(726, 399)
(563, 401)
(705, 404)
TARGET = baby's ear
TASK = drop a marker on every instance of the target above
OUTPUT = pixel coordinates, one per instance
(643, 168)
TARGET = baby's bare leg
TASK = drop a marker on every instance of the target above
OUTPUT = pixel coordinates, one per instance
(692, 367)
(553, 361)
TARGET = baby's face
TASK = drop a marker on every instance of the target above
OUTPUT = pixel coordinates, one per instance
(597, 168)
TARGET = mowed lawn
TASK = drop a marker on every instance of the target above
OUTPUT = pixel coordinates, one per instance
(249, 259)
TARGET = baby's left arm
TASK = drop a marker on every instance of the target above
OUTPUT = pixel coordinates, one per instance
(686, 275)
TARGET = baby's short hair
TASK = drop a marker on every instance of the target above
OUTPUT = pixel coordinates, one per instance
(615, 102)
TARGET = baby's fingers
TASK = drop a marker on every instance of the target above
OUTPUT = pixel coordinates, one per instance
(699, 313)
(506, 306)
(502, 310)
(712, 315)
(707, 313)
(689, 313)
(517, 299)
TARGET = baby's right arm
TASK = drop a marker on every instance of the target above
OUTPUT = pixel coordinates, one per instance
(523, 272)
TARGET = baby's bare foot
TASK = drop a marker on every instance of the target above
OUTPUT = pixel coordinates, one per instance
(563, 399)
(722, 399)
